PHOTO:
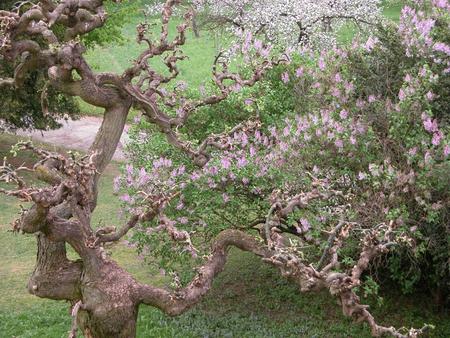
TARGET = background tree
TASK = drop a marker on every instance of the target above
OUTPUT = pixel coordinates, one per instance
(29, 104)
(266, 170)
(288, 23)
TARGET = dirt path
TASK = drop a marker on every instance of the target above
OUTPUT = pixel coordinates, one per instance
(76, 135)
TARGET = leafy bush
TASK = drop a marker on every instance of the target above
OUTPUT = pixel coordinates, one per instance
(368, 124)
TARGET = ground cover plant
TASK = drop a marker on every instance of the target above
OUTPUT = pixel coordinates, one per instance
(301, 184)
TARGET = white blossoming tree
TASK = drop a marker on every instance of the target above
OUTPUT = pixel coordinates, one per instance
(285, 22)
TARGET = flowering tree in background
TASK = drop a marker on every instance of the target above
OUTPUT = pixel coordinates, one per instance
(285, 22)
(319, 194)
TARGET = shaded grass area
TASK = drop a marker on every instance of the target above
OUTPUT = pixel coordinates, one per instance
(249, 299)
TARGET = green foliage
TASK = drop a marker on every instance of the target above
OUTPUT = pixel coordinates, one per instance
(22, 108)
(119, 13)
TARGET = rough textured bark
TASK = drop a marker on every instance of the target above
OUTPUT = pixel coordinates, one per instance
(51, 261)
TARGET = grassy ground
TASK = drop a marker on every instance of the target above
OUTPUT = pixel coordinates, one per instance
(249, 299)
(195, 70)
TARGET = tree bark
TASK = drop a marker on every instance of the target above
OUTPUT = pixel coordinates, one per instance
(52, 261)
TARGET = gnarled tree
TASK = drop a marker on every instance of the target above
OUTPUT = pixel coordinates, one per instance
(106, 298)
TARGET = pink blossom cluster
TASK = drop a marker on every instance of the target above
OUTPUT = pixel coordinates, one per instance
(416, 29)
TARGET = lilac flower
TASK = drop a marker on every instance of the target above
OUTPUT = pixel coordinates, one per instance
(242, 162)
(299, 72)
(266, 51)
(370, 43)
(181, 170)
(244, 139)
(211, 183)
(182, 85)
(283, 146)
(248, 102)
(273, 132)
(245, 181)
(236, 87)
(137, 118)
(338, 78)
(441, 3)
(423, 72)
(183, 220)
(305, 224)
(371, 98)
(412, 151)
(361, 176)
(129, 168)
(195, 176)
(339, 143)
(126, 198)
(430, 125)
(180, 205)
(225, 162)
(285, 77)
(257, 135)
(321, 63)
(437, 137)
(225, 197)
(258, 45)
(401, 95)
(360, 128)
(446, 150)
(429, 96)
(213, 170)
(143, 177)
(336, 92)
(343, 114)
(348, 86)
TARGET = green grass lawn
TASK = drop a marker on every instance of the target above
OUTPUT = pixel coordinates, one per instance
(249, 299)
(195, 70)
